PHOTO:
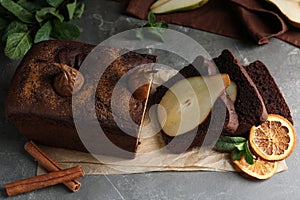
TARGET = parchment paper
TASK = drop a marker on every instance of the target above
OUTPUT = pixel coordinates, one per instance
(151, 154)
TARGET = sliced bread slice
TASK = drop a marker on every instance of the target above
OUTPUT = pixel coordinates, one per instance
(249, 104)
(271, 94)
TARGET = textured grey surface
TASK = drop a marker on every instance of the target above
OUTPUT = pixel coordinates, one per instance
(103, 19)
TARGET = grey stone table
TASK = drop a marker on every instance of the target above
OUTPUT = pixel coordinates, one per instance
(105, 18)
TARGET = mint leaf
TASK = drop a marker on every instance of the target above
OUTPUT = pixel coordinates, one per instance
(21, 13)
(17, 45)
(151, 18)
(223, 146)
(31, 6)
(248, 155)
(55, 3)
(155, 28)
(240, 146)
(71, 9)
(14, 27)
(64, 30)
(235, 140)
(237, 155)
(161, 24)
(46, 12)
(79, 10)
(228, 143)
(43, 33)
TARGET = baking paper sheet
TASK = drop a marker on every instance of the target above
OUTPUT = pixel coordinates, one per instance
(150, 157)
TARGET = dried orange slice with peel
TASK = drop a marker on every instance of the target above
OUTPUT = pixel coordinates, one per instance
(261, 169)
(274, 139)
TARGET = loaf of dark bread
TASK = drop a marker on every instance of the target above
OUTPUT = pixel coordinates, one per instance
(267, 87)
(46, 117)
(195, 138)
(249, 104)
(41, 114)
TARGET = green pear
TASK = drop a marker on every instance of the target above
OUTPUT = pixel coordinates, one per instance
(188, 103)
(289, 8)
(167, 6)
(159, 3)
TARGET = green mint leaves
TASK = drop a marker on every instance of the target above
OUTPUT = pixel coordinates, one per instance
(55, 3)
(25, 22)
(239, 146)
(46, 13)
(155, 28)
(17, 44)
(43, 33)
(18, 11)
(64, 30)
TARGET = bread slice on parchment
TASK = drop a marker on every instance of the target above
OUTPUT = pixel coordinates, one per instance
(267, 87)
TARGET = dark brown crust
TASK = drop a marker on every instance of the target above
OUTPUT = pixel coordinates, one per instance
(44, 116)
(249, 104)
(271, 94)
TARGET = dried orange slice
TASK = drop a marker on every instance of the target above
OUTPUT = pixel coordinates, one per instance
(274, 139)
(261, 169)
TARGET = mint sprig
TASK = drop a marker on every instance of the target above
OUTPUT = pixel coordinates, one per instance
(25, 22)
(156, 28)
(239, 146)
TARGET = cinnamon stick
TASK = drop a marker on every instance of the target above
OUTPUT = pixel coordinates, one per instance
(44, 180)
(49, 164)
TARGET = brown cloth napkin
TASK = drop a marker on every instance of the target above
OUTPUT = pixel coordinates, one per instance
(240, 19)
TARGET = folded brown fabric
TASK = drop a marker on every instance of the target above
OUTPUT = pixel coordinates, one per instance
(260, 22)
(242, 19)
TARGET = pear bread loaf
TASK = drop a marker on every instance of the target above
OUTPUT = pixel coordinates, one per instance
(47, 117)
(48, 106)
